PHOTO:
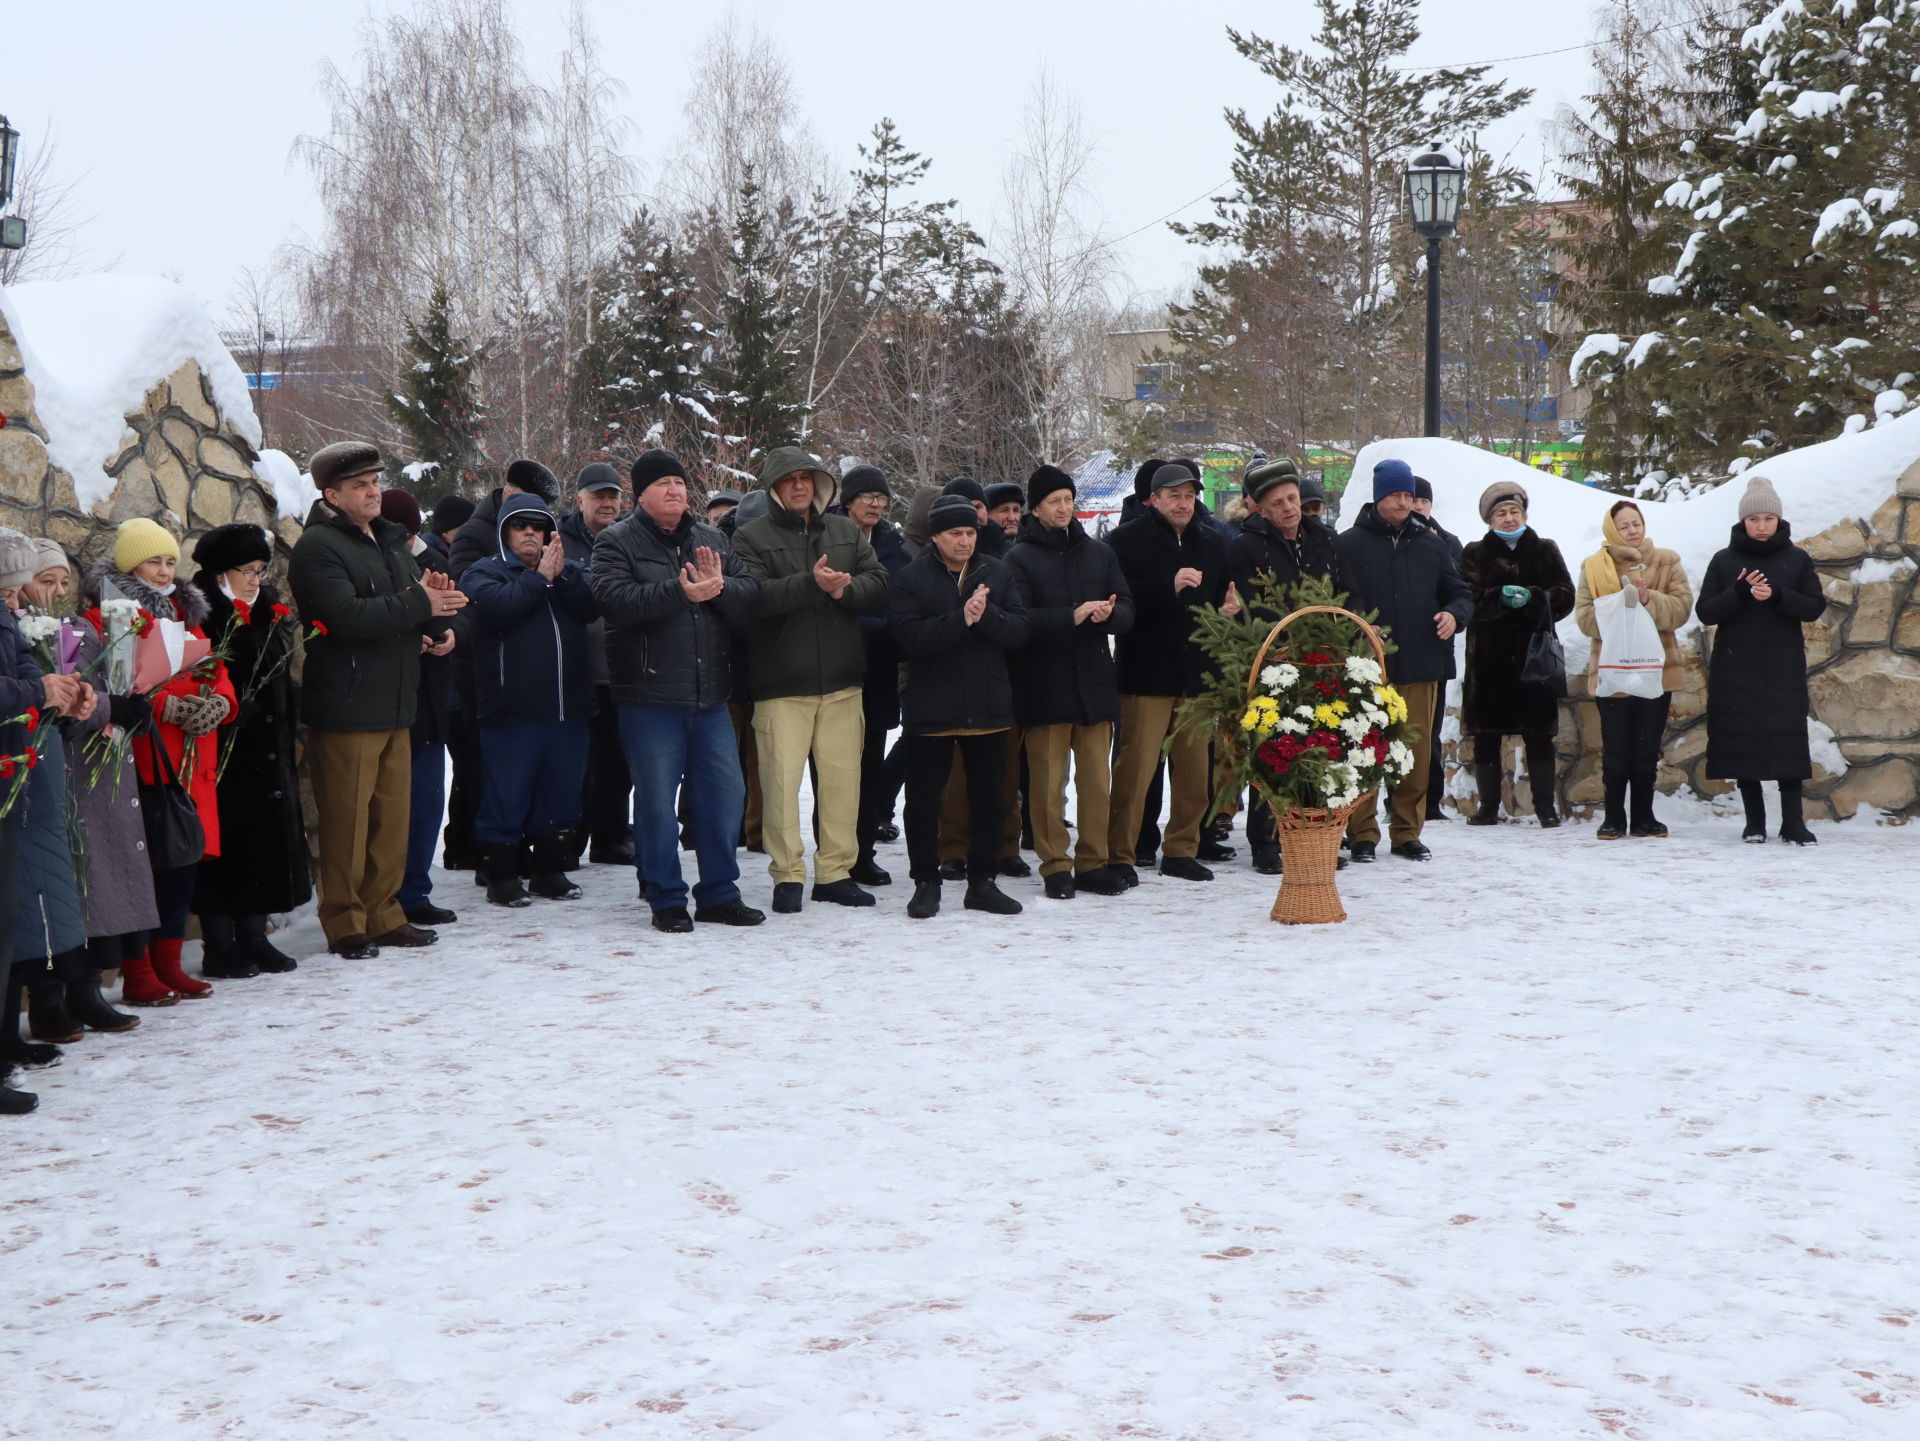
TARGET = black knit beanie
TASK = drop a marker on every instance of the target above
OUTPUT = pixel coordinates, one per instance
(965, 485)
(951, 512)
(861, 480)
(1143, 477)
(1044, 482)
(655, 465)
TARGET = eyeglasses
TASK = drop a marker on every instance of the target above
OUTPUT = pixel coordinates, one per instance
(251, 572)
(525, 525)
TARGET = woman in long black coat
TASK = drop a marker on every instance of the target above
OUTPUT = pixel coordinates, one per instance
(1757, 594)
(1519, 583)
(263, 867)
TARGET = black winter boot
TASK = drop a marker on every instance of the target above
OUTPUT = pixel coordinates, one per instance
(1755, 832)
(1487, 778)
(47, 1016)
(1643, 823)
(1613, 824)
(262, 952)
(12, 1102)
(549, 864)
(925, 902)
(90, 1008)
(1544, 808)
(984, 895)
(499, 871)
(1793, 826)
(222, 955)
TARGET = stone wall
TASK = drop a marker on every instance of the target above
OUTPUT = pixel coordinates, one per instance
(178, 462)
(1863, 680)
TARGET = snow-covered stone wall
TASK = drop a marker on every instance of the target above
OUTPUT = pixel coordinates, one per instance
(1853, 502)
(121, 402)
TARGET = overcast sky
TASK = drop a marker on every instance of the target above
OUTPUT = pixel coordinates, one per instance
(178, 119)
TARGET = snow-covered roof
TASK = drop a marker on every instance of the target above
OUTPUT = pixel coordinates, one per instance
(1848, 478)
(95, 346)
(1101, 484)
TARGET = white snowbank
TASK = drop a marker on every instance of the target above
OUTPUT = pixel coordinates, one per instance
(1844, 479)
(96, 345)
(293, 493)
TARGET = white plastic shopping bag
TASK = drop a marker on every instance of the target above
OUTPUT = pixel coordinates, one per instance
(1631, 656)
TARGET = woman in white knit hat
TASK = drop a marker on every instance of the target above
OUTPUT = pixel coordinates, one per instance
(1758, 592)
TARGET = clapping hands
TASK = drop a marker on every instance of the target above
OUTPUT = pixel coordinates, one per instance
(976, 605)
(703, 579)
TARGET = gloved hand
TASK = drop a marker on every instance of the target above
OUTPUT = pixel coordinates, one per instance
(130, 712)
(213, 710)
(180, 710)
(1515, 595)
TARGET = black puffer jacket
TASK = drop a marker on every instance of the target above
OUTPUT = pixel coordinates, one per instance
(662, 649)
(1064, 674)
(1259, 551)
(1757, 680)
(1409, 577)
(1494, 702)
(1158, 656)
(956, 673)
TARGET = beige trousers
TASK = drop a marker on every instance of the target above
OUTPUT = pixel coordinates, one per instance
(362, 791)
(830, 729)
(1048, 751)
(1408, 799)
(1145, 724)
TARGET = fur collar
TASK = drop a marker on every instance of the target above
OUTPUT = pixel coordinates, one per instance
(192, 608)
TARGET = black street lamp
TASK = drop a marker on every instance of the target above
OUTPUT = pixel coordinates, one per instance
(13, 229)
(1434, 182)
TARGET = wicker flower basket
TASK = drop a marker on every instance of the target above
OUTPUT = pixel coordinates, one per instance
(1310, 838)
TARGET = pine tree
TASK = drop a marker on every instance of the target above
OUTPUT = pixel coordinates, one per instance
(911, 251)
(641, 381)
(1622, 152)
(1318, 184)
(1792, 302)
(758, 372)
(436, 404)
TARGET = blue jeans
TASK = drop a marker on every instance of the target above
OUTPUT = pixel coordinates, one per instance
(669, 747)
(532, 774)
(426, 800)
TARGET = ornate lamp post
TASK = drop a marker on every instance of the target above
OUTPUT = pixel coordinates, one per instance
(1434, 182)
(13, 228)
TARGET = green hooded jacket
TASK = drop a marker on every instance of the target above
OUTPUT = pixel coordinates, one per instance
(801, 641)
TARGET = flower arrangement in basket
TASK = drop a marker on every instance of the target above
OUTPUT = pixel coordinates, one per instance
(1301, 705)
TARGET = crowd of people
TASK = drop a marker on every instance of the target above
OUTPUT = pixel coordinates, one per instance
(634, 679)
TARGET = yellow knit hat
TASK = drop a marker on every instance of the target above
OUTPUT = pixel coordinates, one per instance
(141, 539)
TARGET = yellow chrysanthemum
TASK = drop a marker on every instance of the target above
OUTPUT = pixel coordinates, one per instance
(1327, 716)
(1392, 702)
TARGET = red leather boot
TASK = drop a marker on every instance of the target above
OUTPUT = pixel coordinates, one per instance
(165, 956)
(139, 986)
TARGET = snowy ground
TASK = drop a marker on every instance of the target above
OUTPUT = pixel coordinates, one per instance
(1554, 1138)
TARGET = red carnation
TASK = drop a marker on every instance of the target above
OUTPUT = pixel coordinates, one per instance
(319, 627)
(33, 757)
(143, 622)
(281, 612)
(243, 610)
(6, 768)
(33, 717)
(1314, 657)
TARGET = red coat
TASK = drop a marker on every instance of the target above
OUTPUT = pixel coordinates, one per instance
(206, 749)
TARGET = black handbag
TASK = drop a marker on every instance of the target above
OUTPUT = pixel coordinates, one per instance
(1546, 664)
(175, 837)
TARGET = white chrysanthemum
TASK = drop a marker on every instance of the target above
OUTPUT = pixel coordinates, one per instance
(1305, 712)
(39, 627)
(1292, 727)
(1399, 758)
(1354, 727)
(1364, 668)
(1277, 678)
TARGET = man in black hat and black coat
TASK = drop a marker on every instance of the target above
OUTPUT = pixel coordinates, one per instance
(865, 500)
(1065, 690)
(1006, 503)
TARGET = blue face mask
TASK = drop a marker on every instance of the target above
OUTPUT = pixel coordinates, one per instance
(1510, 535)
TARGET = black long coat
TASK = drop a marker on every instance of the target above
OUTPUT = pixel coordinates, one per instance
(956, 673)
(1159, 656)
(1259, 551)
(1757, 680)
(1407, 575)
(1064, 674)
(263, 867)
(1495, 701)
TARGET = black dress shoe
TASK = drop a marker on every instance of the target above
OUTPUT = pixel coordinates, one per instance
(1016, 867)
(1059, 886)
(986, 896)
(925, 902)
(953, 870)
(1129, 876)
(1266, 862)
(16, 1103)
(728, 913)
(869, 873)
(614, 853)
(788, 897)
(1185, 868)
(1362, 852)
(431, 916)
(674, 920)
(1416, 851)
(842, 893)
(1101, 881)
(355, 948)
(886, 831)
(408, 935)
(1212, 850)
